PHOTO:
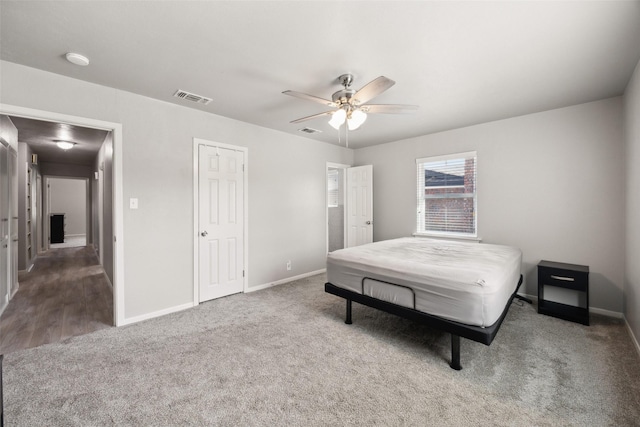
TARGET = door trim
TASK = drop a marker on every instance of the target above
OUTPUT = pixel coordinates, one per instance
(46, 197)
(196, 247)
(118, 205)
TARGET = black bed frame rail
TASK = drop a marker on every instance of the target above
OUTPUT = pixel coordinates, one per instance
(1, 398)
(456, 329)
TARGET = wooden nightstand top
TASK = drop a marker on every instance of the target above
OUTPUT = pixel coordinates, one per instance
(564, 266)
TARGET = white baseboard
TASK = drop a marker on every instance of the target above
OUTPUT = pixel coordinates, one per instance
(595, 310)
(633, 337)
(287, 280)
(15, 291)
(136, 319)
(607, 313)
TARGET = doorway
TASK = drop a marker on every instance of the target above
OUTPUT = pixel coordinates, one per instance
(349, 204)
(67, 198)
(114, 208)
(336, 208)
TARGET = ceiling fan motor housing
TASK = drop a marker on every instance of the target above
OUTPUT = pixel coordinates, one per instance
(343, 96)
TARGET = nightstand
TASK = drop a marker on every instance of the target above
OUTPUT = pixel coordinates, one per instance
(567, 276)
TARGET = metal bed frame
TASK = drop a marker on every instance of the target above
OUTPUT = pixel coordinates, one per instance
(456, 329)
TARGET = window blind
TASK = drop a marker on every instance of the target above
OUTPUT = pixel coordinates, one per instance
(333, 188)
(446, 193)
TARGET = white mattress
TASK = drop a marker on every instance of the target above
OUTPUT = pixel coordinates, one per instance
(469, 283)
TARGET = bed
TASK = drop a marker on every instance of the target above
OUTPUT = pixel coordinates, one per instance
(461, 288)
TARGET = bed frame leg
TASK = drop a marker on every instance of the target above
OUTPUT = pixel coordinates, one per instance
(455, 352)
(348, 320)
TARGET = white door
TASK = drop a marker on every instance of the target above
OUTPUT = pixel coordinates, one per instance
(359, 205)
(13, 222)
(221, 221)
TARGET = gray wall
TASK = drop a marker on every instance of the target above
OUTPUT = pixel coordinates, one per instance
(64, 169)
(550, 183)
(104, 164)
(287, 218)
(632, 155)
(69, 196)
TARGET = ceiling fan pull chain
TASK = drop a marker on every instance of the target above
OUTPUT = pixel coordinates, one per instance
(346, 136)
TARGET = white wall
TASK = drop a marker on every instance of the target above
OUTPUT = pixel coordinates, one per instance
(69, 196)
(24, 163)
(550, 183)
(632, 155)
(286, 216)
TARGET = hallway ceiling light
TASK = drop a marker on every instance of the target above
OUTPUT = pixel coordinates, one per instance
(76, 58)
(65, 145)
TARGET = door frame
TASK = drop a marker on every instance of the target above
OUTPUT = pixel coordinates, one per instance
(331, 165)
(118, 200)
(196, 199)
(47, 207)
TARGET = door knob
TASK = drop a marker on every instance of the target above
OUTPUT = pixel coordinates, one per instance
(204, 233)
(368, 222)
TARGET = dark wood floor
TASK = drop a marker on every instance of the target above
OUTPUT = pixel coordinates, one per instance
(65, 294)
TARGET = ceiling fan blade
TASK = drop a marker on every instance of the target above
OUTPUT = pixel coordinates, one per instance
(372, 89)
(304, 119)
(388, 108)
(310, 98)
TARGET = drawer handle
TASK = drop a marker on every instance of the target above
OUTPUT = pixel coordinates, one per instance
(566, 279)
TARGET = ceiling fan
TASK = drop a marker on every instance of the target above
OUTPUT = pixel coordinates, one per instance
(351, 105)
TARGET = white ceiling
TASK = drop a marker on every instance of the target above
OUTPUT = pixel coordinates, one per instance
(41, 136)
(463, 63)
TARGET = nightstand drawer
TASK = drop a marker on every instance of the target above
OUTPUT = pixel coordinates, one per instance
(568, 276)
(563, 278)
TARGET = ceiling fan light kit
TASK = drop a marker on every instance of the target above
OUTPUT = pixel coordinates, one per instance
(338, 118)
(351, 105)
(357, 118)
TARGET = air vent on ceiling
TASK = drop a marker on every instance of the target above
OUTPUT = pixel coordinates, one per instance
(309, 130)
(183, 94)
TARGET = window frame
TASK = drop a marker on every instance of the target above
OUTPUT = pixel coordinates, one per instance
(333, 194)
(420, 190)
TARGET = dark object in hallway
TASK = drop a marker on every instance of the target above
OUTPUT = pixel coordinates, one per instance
(57, 228)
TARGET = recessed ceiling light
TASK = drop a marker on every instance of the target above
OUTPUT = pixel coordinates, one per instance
(76, 58)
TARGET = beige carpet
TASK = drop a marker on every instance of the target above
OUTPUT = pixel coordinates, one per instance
(284, 356)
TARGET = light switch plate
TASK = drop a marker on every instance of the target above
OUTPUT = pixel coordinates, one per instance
(133, 203)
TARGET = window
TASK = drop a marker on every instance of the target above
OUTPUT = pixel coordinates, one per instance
(447, 195)
(333, 188)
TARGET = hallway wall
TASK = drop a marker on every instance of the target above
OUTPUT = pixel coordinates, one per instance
(69, 196)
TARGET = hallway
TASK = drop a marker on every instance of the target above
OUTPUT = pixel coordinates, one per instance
(66, 294)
